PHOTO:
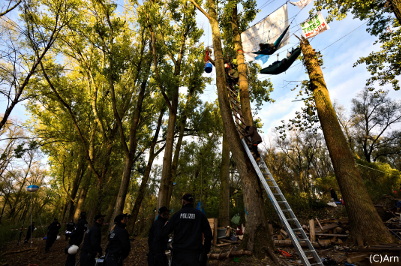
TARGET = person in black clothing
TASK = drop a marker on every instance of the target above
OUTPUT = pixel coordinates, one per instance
(29, 232)
(76, 237)
(92, 243)
(252, 133)
(158, 245)
(52, 232)
(69, 228)
(333, 194)
(190, 226)
(78, 234)
(119, 244)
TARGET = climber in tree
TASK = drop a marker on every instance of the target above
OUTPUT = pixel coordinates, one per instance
(255, 139)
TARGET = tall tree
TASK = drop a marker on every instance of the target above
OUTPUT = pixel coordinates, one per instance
(384, 64)
(224, 203)
(19, 62)
(170, 39)
(373, 114)
(366, 224)
(257, 234)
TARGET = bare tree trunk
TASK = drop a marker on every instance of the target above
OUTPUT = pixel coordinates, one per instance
(396, 7)
(366, 225)
(224, 204)
(70, 205)
(130, 149)
(165, 181)
(242, 72)
(146, 175)
(257, 236)
(82, 196)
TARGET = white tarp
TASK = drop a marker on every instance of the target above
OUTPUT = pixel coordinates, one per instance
(301, 3)
(267, 30)
(314, 26)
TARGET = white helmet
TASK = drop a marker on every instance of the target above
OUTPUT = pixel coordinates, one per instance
(73, 249)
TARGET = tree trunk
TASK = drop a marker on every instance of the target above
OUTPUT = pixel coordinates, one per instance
(172, 103)
(366, 225)
(224, 204)
(396, 7)
(256, 238)
(242, 72)
(146, 175)
(130, 148)
(168, 153)
(82, 166)
(82, 196)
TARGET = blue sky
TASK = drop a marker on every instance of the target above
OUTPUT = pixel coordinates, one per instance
(341, 46)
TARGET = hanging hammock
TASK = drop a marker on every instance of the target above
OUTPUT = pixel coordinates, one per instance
(282, 65)
(270, 48)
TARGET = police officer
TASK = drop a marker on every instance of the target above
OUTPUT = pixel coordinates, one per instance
(190, 226)
(52, 232)
(92, 243)
(76, 238)
(119, 244)
(158, 245)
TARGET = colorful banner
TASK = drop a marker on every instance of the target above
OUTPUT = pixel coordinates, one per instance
(265, 31)
(314, 26)
(301, 3)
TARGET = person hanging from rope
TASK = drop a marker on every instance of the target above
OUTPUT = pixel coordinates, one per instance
(252, 133)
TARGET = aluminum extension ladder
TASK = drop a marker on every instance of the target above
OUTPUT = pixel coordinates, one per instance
(306, 252)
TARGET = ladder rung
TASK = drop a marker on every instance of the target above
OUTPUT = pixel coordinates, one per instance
(303, 239)
(309, 251)
(277, 197)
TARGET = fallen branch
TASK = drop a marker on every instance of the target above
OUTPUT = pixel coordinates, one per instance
(220, 256)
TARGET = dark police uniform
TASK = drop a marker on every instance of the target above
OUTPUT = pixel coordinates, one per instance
(190, 227)
(118, 247)
(52, 231)
(157, 244)
(76, 237)
(91, 245)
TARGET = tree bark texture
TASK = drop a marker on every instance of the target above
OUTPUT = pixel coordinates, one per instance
(166, 179)
(224, 204)
(366, 225)
(256, 238)
(130, 148)
(396, 7)
(242, 72)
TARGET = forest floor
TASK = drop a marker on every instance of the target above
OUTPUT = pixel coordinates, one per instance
(34, 255)
(344, 254)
